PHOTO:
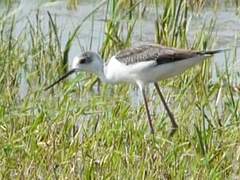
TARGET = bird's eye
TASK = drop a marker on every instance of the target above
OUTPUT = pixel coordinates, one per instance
(82, 61)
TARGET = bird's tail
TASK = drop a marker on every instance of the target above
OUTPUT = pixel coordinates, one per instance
(212, 52)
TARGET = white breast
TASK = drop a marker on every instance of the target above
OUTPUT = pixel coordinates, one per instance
(116, 71)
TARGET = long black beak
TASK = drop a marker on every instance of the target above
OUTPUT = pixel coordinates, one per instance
(61, 78)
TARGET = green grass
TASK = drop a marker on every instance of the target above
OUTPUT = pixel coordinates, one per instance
(76, 132)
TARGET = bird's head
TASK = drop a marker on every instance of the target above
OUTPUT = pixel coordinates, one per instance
(88, 62)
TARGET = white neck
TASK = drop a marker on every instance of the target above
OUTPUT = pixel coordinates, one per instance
(101, 71)
(109, 73)
(106, 71)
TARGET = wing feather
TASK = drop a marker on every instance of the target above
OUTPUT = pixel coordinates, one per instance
(154, 52)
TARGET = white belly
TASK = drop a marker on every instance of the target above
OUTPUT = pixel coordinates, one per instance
(146, 72)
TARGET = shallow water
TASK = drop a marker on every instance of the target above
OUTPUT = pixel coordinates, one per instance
(227, 23)
(226, 30)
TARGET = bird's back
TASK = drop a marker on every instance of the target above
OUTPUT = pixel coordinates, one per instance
(153, 52)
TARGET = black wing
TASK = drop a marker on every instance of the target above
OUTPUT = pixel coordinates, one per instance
(154, 52)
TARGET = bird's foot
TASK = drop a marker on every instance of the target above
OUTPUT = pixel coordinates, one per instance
(173, 130)
(152, 130)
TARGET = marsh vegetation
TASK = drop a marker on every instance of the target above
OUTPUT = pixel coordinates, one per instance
(85, 130)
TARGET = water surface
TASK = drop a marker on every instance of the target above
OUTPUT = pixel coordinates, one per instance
(226, 32)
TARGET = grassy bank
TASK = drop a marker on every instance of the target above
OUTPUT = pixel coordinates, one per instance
(75, 131)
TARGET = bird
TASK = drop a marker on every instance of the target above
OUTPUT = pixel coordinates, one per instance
(142, 65)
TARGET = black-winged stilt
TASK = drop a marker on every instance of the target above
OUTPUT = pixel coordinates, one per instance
(142, 65)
